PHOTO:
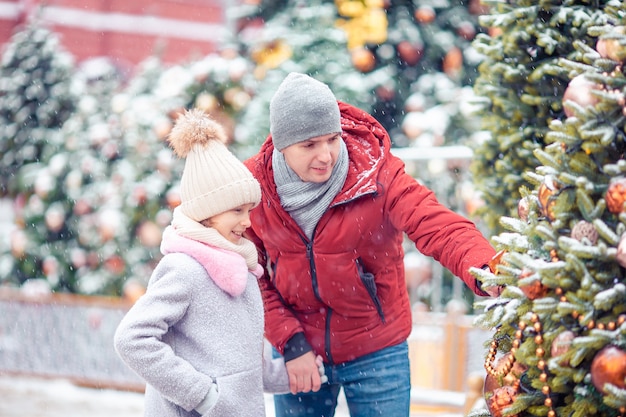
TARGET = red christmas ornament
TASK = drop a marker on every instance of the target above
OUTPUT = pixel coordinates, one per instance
(612, 48)
(410, 52)
(534, 290)
(561, 344)
(425, 14)
(616, 195)
(115, 264)
(363, 59)
(609, 366)
(502, 398)
(580, 91)
(492, 382)
(453, 62)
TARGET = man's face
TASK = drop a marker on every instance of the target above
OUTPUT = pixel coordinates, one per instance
(313, 159)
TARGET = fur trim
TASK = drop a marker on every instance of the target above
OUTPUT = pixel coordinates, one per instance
(194, 128)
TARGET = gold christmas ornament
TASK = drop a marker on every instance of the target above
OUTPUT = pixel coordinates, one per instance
(149, 234)
(547, 197)
(496, 379)
(272, 54)
(616, 195)
(453, 62)
(495, 261)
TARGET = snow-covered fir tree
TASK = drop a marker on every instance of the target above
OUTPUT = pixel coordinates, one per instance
(559, 345)
(108, 182)
(65, 192)
(35, 99)
(521, 92)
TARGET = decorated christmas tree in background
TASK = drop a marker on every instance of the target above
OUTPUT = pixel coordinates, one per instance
(297, 37)
(92, 211)
(521, 92)
(35, 99)
(373, 54)
(64, 195)
(559, 345)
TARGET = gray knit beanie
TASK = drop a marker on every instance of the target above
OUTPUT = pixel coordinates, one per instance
(302, 108)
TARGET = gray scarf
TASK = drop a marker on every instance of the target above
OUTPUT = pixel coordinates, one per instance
(306, 202)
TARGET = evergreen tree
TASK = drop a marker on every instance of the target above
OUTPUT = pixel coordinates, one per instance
(107, 183)
(383, 49)
(559, 348)
(521, 92)
(35, 99)
(64, 192)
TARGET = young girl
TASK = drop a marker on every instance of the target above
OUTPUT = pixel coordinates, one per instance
(196, 336)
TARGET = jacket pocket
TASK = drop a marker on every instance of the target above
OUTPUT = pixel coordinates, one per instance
(367, 278)
(239, 395)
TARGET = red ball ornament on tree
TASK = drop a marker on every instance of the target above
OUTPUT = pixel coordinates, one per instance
(609, 366)
(409, 52)
(562, 344)
(363, 59)
(502, 398)
(425, 14)
(492, 382)
(612, 48)
(580, 91)
(535, 289)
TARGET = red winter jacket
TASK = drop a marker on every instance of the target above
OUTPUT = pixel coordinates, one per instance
(345, 288)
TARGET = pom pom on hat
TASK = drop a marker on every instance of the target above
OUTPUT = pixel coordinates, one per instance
(302, 108)
(213, 180)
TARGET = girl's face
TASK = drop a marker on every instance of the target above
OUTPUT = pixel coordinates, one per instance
(313, 160)
(232, 223)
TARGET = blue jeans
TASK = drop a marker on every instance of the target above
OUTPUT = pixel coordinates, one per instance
(378, 384)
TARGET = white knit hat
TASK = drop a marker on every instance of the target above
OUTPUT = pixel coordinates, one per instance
(213, 180)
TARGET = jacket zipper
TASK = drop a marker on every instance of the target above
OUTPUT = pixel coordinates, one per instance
(309, 255)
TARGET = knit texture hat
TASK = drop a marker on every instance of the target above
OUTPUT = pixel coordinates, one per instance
(302, 108)
(213, 180)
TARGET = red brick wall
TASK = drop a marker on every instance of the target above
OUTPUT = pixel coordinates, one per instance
(126, 30)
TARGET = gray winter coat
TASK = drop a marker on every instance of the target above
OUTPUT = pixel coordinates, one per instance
(186, 332)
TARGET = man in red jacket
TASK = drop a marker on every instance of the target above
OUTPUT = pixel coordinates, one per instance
(335, 207)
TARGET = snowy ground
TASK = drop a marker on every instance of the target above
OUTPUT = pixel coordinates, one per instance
(22, 396)
(36, 397)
